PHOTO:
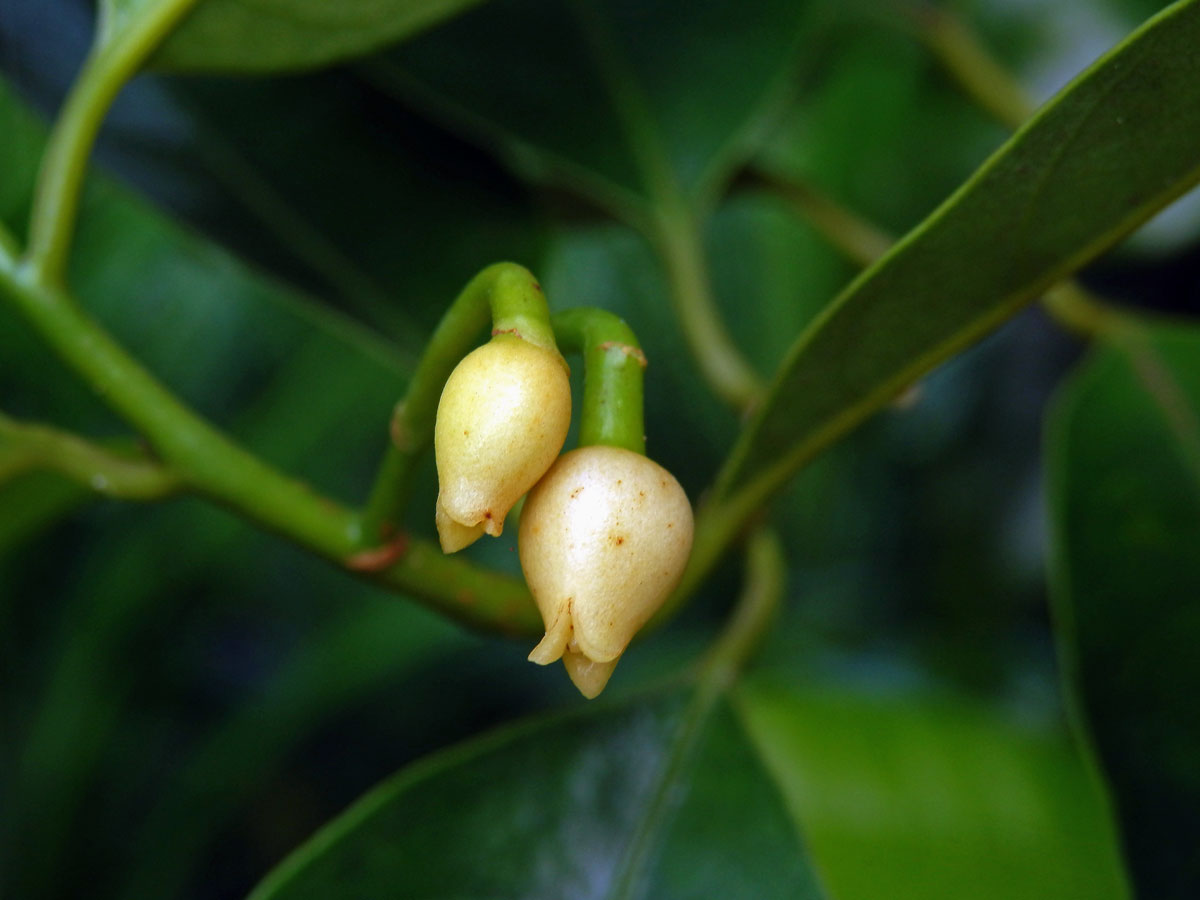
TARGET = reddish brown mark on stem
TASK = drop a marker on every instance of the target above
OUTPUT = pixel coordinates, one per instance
(378, 558)
(628, 350)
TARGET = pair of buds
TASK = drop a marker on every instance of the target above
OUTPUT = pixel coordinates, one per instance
(605, 532)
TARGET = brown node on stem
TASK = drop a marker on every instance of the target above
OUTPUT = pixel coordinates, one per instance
(379, 558)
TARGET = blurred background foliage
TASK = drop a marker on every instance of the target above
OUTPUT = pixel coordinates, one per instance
(185, 699)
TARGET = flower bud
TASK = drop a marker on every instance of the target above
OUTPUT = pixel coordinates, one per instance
(604, 539)
(501, 420)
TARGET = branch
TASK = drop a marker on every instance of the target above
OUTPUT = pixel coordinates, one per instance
(963, 54)
(119, 50)
(26, 447)
(674, 229)
(209, 463)
(762, 592)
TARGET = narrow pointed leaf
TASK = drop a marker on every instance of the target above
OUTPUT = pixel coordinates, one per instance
(1118, 144)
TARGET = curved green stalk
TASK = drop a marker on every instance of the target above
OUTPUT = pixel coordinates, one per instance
(965, 57)
(209, 463)
(860, 241)
(681, 248)
(762, 592)
(674, 228)
(613, 363)
(119, 50)
(512, 297)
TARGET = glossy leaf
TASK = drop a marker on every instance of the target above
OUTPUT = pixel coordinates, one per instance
(1119, 143)
(281, 35)
(372, 643)
(1124, 454)
(618, 802)
(932, 798)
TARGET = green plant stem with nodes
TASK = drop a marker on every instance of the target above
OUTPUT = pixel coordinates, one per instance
(208, 463)
(510, 297)
(191, 455)
(122, 44)
(612, 381)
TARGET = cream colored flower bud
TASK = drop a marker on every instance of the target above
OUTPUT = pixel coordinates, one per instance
(604, 539)
(501, 420)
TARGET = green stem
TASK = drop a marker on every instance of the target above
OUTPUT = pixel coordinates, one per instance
(1079, 310)
(762, 592)
(858, 240)
(28, 447)
(119, 50)
(613, 363)
(965, 57)
(680, 245)
(674, 230)
(512, 297)
(209, 463)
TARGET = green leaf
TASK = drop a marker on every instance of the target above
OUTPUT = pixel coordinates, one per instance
(1119, 143)
(370, 644)
(619, 101)
(638, 800)
(280, 35)
(1124, 457)
(666, 795)
(932, 798)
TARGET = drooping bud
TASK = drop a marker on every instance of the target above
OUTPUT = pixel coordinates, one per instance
(501, 421)
(604, 539)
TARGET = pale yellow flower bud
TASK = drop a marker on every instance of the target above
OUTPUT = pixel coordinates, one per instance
(501, 421)
(604, 539)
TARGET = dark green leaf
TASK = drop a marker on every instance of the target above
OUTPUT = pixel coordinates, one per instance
(610, 98)
(639, 800)
(370, 644)
(931, 799)
(1124, 449)
(1118, 144)
(276, 35)
(911, 797)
